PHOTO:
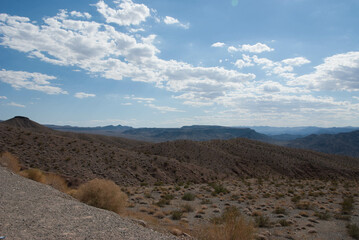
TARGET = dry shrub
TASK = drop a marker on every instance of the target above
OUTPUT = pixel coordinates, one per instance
(102, 193)
(9, 161)
(56, 182)
(34, 174)
(232, 226)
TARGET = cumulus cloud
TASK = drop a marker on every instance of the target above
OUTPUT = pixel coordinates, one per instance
(338, 73)
(128, 12)
(218, 44)
(256, 48)
(173, 21)
(82, 95)
(246, 61)
(32, 81)
(3, 97)
(16, 105)
(298, 61)
(101, 49)
(80, 14)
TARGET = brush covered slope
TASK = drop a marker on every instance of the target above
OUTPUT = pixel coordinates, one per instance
(81, 157)
(341, 143)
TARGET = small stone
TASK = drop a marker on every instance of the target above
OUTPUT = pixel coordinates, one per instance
(312, 231)
(280, 216)
(176, 232)
(142, 223)
(261, 237)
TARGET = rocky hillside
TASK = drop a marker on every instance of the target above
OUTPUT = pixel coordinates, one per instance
(81, 157)
(341, 143)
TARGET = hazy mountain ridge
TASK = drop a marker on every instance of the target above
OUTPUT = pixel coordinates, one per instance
(341, 143)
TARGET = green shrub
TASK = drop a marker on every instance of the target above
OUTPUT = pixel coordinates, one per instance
(323, 215)
(283, 223)
(347, 205)
(353, 231)
(262, 221)
(280, 210)
(218, 188)
(188, 196)
(176, 215)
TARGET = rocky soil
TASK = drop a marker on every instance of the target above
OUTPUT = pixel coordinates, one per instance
(30, 210)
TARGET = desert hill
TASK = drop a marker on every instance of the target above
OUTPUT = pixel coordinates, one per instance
(80, 157)
(341, 143)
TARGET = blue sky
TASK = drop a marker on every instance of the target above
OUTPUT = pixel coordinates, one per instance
(165, 63)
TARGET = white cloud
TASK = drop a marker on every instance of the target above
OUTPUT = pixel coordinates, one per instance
(338, 73)
(101, 49)
(170, 20)
(298, 61)
(128, 12)
(140, 99)
(218, 44)
(163, 108)
(246, 61)
(32, 81)
(3, 97)
(256, 48)
(16, 105)
(357, 98)
(126, 104)
(82, 95)
(80, 14)
(232, 49)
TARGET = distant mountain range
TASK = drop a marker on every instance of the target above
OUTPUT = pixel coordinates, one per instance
(80, 157)
(341, 143)
(341, 140)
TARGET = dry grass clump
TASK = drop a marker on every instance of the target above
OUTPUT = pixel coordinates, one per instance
(56, 182)
(231, 226)
(10, 161)
(103, 194)
(34, 174)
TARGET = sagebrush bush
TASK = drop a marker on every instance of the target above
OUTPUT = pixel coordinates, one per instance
(232, 226)
(34, 174)
(188, 196)
(103, 194)
(9, 161)
(347, 205)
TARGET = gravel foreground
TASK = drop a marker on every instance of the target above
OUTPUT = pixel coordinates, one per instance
(31, 210)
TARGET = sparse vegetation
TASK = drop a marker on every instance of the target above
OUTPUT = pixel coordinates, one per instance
(176, 215)
(262, 221)
(347, 205)
(34, 174)
(102, 194)
(232, 226)
(10, 162)
(188, 196)
(353, 231)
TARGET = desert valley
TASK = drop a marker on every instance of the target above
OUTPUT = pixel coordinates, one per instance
(195, 189)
